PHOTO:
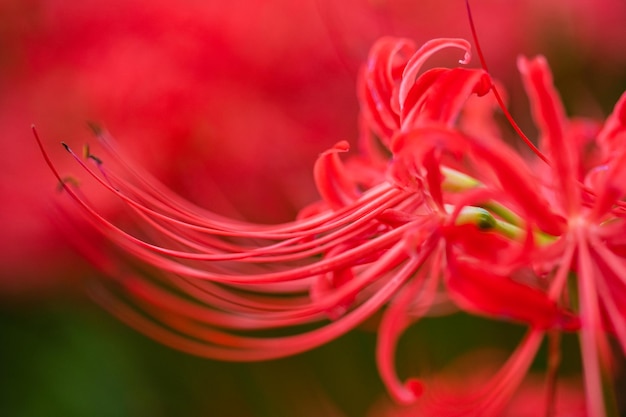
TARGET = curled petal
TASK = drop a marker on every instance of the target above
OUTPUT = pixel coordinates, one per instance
(446, 96)
(414, 65)
(391, 91)
(378, 84)
(396, 319)
(333, 182)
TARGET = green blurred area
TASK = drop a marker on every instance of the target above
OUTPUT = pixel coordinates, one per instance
(66, 357)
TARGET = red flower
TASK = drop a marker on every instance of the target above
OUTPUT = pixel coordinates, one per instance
(589, 245)
(388, 231)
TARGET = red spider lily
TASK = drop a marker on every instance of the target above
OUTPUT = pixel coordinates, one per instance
(588, 221)
(595, 222)
(401, 233)
(584, 216)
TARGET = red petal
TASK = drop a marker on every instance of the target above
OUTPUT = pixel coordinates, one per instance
(378, 84)
(478, 289)
(549, 116)
(612, 138)
(331, 178)
(446, 97)
(418, 59)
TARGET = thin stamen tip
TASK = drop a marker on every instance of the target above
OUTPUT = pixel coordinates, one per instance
(466, 58)
(95, 128)
(95, 159)
(67, 180)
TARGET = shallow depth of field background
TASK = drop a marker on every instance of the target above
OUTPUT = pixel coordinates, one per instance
(229, 103)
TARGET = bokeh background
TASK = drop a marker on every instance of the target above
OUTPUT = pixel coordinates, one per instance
(229, 103)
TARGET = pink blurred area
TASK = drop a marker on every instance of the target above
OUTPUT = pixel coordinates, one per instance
(229, 103)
